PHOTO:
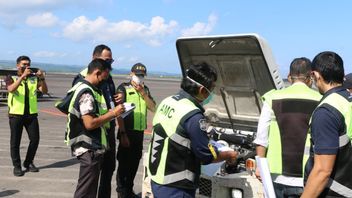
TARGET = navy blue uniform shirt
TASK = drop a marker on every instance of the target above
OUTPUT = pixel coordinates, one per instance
(196, 131)
(326, 124)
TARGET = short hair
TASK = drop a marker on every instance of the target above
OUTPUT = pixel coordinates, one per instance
(202, 73)
(330, 66)
(347, 83)
(300, 67)
(99, 64)
(21, 58)
(98, 50)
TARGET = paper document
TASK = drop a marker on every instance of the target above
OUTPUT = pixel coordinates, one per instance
(262, 164)
(129, 107)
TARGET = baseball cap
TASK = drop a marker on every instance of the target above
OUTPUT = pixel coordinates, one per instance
(139, 69)
(347, 83)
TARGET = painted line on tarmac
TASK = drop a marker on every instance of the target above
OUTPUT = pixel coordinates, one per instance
(53, 111)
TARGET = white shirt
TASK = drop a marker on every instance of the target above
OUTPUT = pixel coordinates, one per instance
(263, 126)
(86, 106)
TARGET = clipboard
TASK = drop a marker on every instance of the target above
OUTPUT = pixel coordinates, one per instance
(129, 107)
(263, 166)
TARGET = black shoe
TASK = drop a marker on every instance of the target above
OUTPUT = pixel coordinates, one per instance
(121, 194)
(18, 172)
(131, 194)
(31, 168)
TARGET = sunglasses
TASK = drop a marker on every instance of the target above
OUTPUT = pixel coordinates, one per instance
(110, 61)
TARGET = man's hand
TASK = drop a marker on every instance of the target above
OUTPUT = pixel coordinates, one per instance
(139, 88)
(40, 73)
(118, 98)
(261, 152)
(26, 72)
(257, 174)
(233, 158)
(118, 110)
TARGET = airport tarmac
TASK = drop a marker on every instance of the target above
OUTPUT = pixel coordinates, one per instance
(58, 169)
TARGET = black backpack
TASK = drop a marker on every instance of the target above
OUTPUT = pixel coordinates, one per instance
(64, 103)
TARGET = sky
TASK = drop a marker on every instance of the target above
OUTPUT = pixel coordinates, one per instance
(66, 31)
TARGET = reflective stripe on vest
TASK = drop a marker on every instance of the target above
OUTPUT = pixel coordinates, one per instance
(339, 188)
(167, 129)
(282, 159)
(345, 108)
(78, 88)
(140, 112)
(16, 99)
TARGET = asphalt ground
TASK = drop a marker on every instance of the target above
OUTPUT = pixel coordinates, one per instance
(58, 168)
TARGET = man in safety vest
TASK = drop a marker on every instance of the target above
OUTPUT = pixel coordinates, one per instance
(180, 142)
(88, 121)
(131, 136)
(328, 170)
(23, 112)
(283, 127)
(108, 89)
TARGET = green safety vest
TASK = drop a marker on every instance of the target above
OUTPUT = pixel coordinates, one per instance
(340, 181)
(291, 109)
(170, 159)
(16, 99)
(139, 114)
(76, 134)
(84, 72)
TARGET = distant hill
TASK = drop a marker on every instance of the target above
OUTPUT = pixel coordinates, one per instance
(60, 68)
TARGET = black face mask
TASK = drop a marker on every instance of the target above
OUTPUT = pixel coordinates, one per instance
(102, 84)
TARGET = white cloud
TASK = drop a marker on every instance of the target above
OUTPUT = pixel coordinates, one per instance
(13, 12)
(133, 59)
(19, 6)
(11, 5)
(46, 19)
(199, 28)
(127, 60)
(100, 30)
(48, 54)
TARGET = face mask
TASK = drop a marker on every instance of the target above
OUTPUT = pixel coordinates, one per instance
(137, 79)
(208, 99)
(210, 96)
(101, 83)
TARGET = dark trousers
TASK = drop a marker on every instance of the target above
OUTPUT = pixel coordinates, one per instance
(128, 161)
(161, 191)
(30, 123)
(108, 166)
(89, 170)
(284, 191)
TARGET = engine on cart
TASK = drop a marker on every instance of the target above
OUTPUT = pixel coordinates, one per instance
(240, 141)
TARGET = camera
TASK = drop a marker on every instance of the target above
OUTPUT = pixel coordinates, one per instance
(33, 71)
